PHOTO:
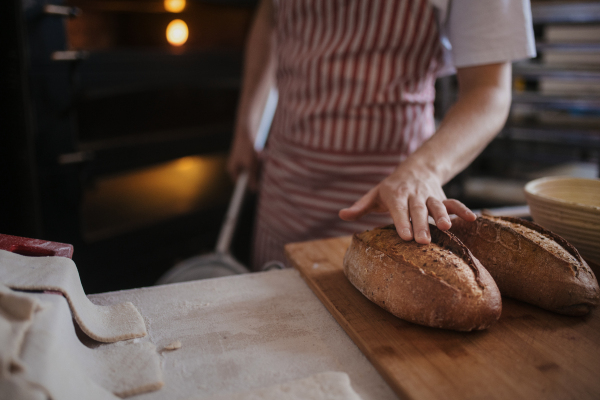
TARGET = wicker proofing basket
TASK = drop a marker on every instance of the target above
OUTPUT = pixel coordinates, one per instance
(569, 207)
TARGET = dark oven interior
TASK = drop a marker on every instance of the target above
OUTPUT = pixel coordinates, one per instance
(126, 148)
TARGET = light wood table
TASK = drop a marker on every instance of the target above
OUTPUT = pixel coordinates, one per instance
(529, 353)
(244, 332)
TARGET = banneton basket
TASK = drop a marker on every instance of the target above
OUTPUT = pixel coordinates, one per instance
(569, 207)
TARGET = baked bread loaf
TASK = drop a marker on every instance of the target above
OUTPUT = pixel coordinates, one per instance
(531, 264)
(439, 284)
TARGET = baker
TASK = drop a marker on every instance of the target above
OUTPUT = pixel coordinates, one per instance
(353, 143)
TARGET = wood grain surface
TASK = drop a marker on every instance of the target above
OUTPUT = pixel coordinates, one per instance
(529, 353)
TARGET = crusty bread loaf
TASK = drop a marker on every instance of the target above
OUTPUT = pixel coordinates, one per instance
(439, 285)
(531, 264)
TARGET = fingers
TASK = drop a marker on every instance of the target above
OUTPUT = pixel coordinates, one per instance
(235, 168)
(419, 216)
(416, 217)
(401, 217)
(242, 157)
(232, 168)
(458, 208)
(370, 202)
(363, 206)
(253, 180)
(409, 214)
(237, 163)
(439, 213)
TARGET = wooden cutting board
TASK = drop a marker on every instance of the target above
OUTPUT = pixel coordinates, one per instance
(529, 353)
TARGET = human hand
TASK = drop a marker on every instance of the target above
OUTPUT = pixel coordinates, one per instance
(242, 157)
(410, 195)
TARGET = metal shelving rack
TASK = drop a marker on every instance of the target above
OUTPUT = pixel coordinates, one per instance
(577, 105)
(546, 129)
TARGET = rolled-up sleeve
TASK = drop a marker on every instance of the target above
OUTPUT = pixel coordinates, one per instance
(489, 31)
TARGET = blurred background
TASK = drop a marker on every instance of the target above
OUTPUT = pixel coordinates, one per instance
(117, 116)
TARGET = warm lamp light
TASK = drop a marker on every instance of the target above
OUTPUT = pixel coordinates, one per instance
(174, 6)
(177, 32)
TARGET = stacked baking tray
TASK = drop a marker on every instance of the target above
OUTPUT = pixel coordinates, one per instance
(554, 124)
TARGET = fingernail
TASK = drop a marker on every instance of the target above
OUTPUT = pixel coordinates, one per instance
(442, 220)
(406, 233)
(423, 235)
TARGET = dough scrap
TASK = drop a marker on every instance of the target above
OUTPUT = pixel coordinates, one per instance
(16, 311)
(49, 364)
(172, 346)
(56, 360)
(41, 356)
(324, 386)
(15, 387)
(102, 323)
(135, 368)
(16, 316)
(17, 306)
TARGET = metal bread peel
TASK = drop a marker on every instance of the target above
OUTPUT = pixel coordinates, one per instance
(222, 262)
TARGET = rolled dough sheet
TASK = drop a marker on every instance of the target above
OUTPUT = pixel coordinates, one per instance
(56, 360)
(323, 386)
(16, 311)
(15, 387)
(102, 323)
(16, 314)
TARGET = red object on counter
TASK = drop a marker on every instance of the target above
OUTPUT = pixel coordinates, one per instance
(35, 247)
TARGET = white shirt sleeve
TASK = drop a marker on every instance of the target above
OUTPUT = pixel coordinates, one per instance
(478, 32)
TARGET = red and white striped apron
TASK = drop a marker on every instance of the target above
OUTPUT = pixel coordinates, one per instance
(356, 89)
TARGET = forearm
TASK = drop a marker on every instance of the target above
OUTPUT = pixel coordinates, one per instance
(259, 71)
(478, 115)
(258, 78)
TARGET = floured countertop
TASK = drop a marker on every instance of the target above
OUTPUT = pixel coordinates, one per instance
(244, 332)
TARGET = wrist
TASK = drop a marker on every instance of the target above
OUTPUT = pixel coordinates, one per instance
(426, 168)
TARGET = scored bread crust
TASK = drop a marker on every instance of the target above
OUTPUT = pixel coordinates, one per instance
(443, 295)
(531, 270)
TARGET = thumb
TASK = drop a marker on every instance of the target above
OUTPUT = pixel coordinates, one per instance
(363, 206)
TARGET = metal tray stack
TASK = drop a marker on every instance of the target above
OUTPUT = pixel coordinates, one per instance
(554, 124)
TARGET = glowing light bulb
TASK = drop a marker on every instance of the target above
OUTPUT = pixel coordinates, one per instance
(174, 6)
(177, 32)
